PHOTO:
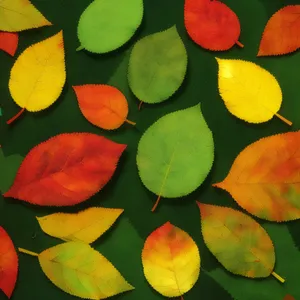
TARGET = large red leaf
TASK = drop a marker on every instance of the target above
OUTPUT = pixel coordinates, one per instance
(66, 169)
(211, 24)
(8, 264)
(281, 34)
(9, 42)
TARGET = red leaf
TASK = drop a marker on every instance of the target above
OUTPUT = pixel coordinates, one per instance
(281, 34)
(8, 264)
(66, 169)
(211, 24)
(9, 42)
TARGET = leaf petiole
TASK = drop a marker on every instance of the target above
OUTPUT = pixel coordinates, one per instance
(80, 48)
(284, 119)
(130, 122)
(27, 252)
(278, 277)
(240, 44)
(140, 105)
(156, 204)
(16, 116)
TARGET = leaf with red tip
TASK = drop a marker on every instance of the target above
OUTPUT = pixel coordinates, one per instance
(66, 169)
(102, 105)
(8, 264)
(281, 34)
(9, 42)
(211, 24)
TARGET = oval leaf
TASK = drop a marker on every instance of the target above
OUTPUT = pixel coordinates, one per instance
(249, 92)
(238, 242)
(174, 157)
(264, 178)
(171, 261)
(86, 226)
(38, 76)
(157, 66)
(9, 42)
(284, 24)
(211, 24)
(8, 264)
(102, 105)
(79, 270)
(19, 15)
(66, 169)
(108, 24)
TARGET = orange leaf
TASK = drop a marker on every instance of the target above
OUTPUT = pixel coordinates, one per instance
(8, 264)
(66, 169)
(102, 105)
(211, 24)
(288, 297)
(281, 34)
(9, 42)
(265, 179)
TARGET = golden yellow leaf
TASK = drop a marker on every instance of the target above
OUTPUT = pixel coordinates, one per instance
(249, 92)
(18, 15)
(38, 75)
(171, 261)
(86, 226)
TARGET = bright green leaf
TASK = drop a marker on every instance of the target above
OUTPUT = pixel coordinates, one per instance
(9, 167)
(287, 264)
(108, 24)
(176, 153)
(81, 271)
(157, 66)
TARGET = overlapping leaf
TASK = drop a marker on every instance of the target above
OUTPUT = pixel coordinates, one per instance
(8, 264)
(66, 169)
(79, 270)
(265, 180)
(9, 42)
(86, 226)
(157, 66)
(176, 153)
(38, 76)
(281, 34)
(239, 243)
(249, 92)
(103, 105)
(171, 261)
(108, 24)
(211, 24)
(18, 15)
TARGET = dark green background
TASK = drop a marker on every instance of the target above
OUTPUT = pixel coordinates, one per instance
(123, 244)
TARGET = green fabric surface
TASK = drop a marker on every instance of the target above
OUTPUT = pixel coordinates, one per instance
(126, 190)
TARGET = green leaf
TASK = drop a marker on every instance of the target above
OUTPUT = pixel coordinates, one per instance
(9, 167)
(176, 153)
(287, 265)
(108, 24)
(81, 271)
(157, 66)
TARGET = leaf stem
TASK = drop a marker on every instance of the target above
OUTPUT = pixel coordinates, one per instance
(80, 48)
(155, 205)
(130, 122)
(284, 119)
(282, 280)
(27, 252)
(181, 297)
(140, 105)
(240, 44)
(16, 116)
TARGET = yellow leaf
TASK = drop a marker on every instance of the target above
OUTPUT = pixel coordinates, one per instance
(38, 76)
(86, 226)
(18, 15)
(249, 92)
(171, 261)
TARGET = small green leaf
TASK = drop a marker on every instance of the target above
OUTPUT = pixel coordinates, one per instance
(157, 66)
(106, 25)
(176, 153)
(9, 167)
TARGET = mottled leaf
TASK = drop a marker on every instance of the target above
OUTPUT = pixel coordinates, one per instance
(66, 169)
(171, 261)
(86, 226)
(157, 66)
